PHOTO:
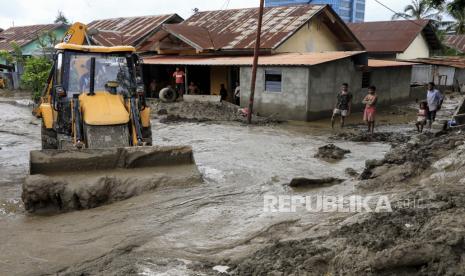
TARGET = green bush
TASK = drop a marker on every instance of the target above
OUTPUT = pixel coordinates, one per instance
(36, 70)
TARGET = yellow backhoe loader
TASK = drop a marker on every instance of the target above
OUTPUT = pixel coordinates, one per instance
(96, 131)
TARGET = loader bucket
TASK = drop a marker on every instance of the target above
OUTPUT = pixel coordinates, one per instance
(87, 178)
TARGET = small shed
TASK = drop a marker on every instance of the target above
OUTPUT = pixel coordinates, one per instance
(445, 71)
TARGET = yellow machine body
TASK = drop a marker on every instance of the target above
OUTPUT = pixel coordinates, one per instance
(103, 109)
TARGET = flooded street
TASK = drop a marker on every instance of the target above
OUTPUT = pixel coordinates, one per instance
(173, 228)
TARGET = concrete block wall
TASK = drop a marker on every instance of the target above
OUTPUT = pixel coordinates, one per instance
(325, 83)
(310, 93)
(392, 83)
(289, 104)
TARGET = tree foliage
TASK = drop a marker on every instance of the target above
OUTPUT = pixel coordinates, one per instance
(5, 55)
(61, 18)
(14, 56)
(36, 70)
(457, 26)
(419, 9)
(47, 40)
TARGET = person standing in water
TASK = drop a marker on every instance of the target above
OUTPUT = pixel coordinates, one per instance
(369, 114)
(343, 105)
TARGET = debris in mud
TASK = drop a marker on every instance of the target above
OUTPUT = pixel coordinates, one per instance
(306, 182)
(392, 138)
(331, 152)
(351, 172)
(202, 112)
(408, 160)
(423, 235)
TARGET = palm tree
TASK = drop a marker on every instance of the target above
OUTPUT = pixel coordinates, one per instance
(457, 26)
(449, 4)
(419, 9)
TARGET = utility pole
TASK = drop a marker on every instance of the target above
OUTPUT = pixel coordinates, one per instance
(255, 62)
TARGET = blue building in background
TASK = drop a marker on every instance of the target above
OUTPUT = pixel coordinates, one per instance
(348, 10)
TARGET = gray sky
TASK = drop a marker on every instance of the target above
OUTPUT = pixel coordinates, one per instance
(26, 12)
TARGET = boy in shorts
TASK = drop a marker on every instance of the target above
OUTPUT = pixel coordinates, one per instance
(343, 105)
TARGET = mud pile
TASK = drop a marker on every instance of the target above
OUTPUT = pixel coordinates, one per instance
(201, 112)
(423, 235)
(392, 138)
(331, 152)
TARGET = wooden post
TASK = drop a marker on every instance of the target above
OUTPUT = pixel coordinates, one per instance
(255, 62)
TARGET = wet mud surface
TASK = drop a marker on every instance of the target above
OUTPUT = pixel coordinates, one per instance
(423, 235)
(193, 228)
(176, 229)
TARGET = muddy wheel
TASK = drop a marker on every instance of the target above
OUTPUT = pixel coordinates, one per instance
(147, 135)
(49, 138)
(167, 95)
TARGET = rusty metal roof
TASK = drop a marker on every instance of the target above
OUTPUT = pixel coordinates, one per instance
(456, 42)
(378, 63)
(452, 61)
(23, 35)
(285, 59)
(235, 29)
(393, 36)
(128, 30)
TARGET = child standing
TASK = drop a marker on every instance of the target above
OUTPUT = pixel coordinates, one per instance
(421, 116)
(370, 108)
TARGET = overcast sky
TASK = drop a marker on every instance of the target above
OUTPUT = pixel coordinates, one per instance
(26, 12)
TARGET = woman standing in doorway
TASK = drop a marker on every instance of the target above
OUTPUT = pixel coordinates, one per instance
(370, 108)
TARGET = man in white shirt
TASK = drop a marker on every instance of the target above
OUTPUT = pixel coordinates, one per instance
(434, 99)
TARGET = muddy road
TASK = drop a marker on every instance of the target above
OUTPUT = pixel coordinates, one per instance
(174, 230)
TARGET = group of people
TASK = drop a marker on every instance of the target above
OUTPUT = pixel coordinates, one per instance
(343, 106)
(428, 109)
(426, 113)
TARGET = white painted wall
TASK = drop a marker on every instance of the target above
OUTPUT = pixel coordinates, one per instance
(418, 49)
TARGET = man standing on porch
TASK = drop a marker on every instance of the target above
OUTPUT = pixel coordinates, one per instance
(179, 75)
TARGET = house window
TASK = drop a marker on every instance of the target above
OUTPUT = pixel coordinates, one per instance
(366, 79)
(273, 81)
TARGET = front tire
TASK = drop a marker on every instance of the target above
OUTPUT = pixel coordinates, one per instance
(49, 138)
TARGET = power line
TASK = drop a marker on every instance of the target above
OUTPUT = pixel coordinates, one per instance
(401, 15)
(225, 5)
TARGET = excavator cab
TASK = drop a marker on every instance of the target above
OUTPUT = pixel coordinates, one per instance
(95, 99)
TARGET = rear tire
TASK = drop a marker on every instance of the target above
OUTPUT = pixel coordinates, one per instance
(147, 135)
(49, 138)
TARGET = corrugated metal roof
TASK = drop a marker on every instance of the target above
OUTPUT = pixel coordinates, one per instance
(23, 35)
(235, 29)
(456, 42)
(452, 61)
(196, 35)
(393, 36)
(387, 63)
(128, 30)
(285, 59)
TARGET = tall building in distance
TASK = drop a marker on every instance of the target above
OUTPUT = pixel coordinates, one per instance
(348, 10)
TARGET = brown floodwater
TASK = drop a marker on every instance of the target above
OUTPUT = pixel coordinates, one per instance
(166, 231)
